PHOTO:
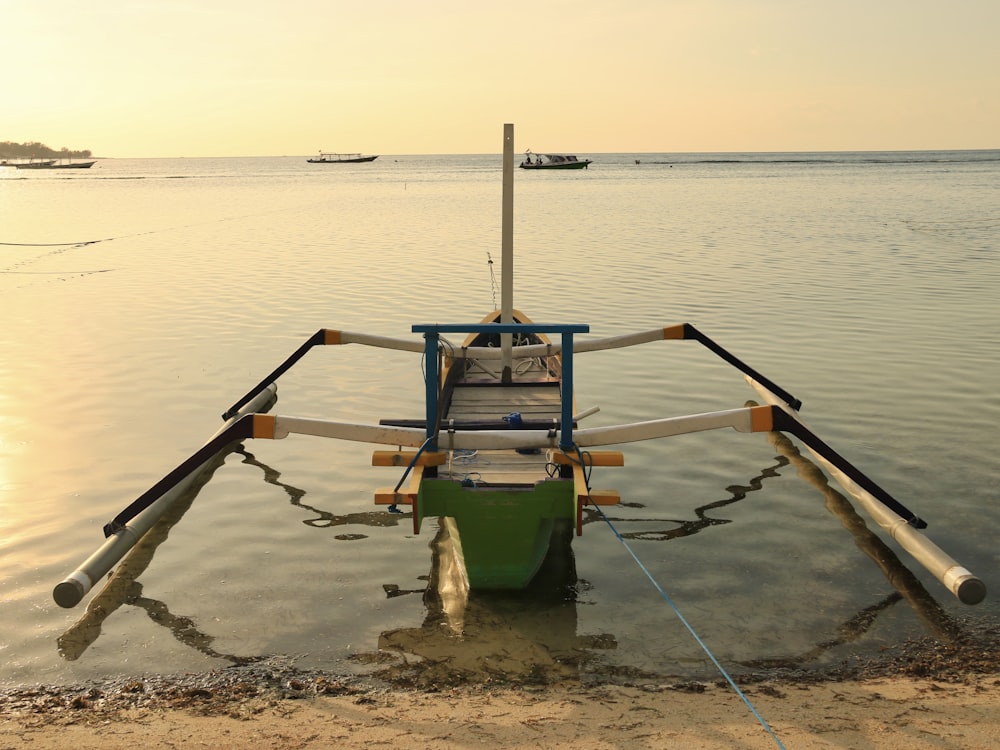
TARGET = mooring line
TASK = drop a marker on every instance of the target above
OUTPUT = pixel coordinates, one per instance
(704, 646)
(162, 230)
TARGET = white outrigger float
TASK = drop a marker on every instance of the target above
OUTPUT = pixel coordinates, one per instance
(504, 398)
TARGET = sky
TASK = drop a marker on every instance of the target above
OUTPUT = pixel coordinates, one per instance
(166, 78)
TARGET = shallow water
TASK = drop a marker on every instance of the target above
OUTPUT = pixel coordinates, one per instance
(143, 297)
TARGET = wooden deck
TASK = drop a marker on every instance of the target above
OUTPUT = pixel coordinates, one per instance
(486, 402)
(481, 395)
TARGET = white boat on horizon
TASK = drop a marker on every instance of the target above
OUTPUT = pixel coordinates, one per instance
(332, 158)
(31, 164)
(49, 164)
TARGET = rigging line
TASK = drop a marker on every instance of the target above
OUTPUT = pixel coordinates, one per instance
(55, 244)
(158, 231)
(701, 643)
(413, 462)
(53, 273)
(442, 345)
(493, 279)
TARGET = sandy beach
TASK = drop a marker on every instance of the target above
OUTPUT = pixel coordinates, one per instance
(881, 713)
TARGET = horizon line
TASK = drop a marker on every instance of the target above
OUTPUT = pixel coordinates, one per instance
(492, 153)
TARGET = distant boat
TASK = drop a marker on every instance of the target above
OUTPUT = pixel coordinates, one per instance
(32, 164)
(553, 161)
(325, 158)
(72, 165)
(49, 164)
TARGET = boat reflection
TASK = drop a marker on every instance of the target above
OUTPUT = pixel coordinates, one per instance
(321, 519)
(531, 636)
(702, 520)
(528, 636)
(122, 585)
(908, 586)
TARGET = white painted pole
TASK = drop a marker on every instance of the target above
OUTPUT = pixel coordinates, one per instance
(75, 586)
(507, 250)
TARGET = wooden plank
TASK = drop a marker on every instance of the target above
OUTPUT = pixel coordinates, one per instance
(403, 458)
(513, 396)
(501, 406)
(596, 497)
(406, 496)
(385, 496)
(602, 497)
(592, 458)
(498, 468)
(521, 394)
(496, 402)
(489, 370)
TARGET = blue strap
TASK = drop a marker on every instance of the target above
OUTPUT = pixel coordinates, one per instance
(691, 630)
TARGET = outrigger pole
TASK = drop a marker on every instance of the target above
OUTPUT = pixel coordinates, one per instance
(901, 524)
(894, 519)
(244, 422)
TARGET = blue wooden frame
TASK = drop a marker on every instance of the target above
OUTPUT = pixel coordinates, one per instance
(432, 333)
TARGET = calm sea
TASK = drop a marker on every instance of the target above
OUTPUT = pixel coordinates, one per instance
(142, 297)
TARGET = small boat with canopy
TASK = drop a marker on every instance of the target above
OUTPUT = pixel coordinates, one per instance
(553, 161)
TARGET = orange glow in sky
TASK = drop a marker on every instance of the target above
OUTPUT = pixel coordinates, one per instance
(148, 78)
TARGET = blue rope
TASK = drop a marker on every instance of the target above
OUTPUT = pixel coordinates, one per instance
(413, 462)
(691, 630)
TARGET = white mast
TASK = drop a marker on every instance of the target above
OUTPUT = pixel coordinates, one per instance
(507, 249)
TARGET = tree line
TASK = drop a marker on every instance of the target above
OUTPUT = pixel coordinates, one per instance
(9, 150)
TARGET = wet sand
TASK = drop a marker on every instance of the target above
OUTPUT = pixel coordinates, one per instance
(928, 694)
(883, 713)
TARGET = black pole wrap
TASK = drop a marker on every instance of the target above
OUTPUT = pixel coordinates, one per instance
(241, 429)
(785, 422)
(316, 339)
(690, 332)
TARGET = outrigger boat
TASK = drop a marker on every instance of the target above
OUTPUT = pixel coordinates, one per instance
(331, 158)
(500, 455)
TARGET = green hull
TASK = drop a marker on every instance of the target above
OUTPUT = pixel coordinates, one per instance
(503, 534)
